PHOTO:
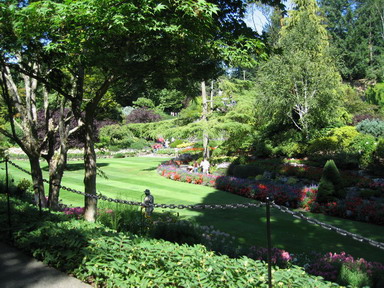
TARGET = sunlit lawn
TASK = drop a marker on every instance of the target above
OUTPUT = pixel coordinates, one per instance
(127, 178)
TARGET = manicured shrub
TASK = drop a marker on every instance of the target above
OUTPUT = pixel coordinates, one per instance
(323, 145)
(325, 191)
(344, 135)
(331, 174)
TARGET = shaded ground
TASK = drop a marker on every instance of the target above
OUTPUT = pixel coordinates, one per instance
(18, 270)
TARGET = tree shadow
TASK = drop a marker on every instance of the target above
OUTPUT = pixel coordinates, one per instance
(149, 169)
(296, 236)
(76, 166)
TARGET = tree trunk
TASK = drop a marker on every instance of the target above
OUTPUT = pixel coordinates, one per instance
(205, 124)
(37, 179)
(90, 172)
(56, 171)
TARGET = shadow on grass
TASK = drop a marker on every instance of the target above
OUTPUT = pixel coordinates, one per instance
(150, 169)
(76, 166)
(288, 233)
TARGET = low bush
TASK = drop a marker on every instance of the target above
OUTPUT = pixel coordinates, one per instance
(142, 115)
(115, 135)
(139, 144)
(175, 143)
(246, 171)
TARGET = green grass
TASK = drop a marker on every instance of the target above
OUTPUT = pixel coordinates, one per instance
(127, 178)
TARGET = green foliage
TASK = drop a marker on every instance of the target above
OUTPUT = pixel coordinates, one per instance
(352, 274)
(364, 146)
(170, 100)
(344, 135)
(112, 259)
(144, 103)
(336, 140)
(245, 171)
(299, 87)
(331, 183)
(23, 187)
(377, 162)
(325, 191)
(352, 25)
(191, 113)
(323, 145)
(374, 127)
(380, 149)
(139, 144)
(120, 217)
(375, 94)
(116, 135)
(175, 143)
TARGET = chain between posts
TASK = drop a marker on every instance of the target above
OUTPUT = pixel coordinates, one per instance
(220, 206)
(329, 227)
(136, 203)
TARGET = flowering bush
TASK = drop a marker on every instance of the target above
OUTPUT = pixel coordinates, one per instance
(279, 257)
(76, 211)
(329, 266)
(294, 196)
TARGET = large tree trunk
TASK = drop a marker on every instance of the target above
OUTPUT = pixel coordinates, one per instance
(90, 172)
(37, 179)
(56, 171)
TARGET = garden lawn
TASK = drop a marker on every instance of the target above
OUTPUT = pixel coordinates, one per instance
(127, 178)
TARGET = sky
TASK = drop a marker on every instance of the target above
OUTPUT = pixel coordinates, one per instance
(255, 18)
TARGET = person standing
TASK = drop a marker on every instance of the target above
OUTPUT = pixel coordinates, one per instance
(205, 166)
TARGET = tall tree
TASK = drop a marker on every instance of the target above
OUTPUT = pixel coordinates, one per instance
(299, 86)
(356, 29)
(136, 40)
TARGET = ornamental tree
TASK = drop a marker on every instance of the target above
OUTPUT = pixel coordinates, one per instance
(118, 41)
(299, 86)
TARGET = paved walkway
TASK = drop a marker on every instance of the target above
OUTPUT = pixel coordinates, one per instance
(20, 271)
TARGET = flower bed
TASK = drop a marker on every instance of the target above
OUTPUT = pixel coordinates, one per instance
(293, 196)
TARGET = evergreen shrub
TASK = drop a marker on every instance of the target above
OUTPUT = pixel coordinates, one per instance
(325, 191)
(331, 183)
(374, 127)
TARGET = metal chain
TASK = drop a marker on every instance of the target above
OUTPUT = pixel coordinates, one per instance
(329, 227)
(135, 203)
(2, 161)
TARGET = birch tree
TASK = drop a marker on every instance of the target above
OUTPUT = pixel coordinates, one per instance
(299, 87)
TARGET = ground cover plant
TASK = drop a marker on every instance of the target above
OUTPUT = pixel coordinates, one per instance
(107, 258)
(127, 179)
